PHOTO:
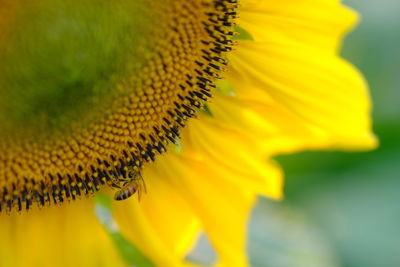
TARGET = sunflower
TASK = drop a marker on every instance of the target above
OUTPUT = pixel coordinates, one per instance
(95, 96)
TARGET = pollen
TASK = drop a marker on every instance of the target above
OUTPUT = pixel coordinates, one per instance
(93, 112)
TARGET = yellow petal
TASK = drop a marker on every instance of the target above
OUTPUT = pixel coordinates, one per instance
(234, 152)
(292, 72)
(221, 191)
(161, 225)
(317, 23)
(69, 235)
(322, 90)
(181, 186)
(266, 122)
(223, 208)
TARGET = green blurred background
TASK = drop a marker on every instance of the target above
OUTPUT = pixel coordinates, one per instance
(343, 209)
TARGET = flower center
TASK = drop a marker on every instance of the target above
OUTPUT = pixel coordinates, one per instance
(62, 61)
(90, 89)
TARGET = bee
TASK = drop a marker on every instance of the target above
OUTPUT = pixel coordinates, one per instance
(131, 184)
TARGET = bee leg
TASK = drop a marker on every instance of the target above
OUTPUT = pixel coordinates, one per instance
(139, 193)
(115, 186)
(144, 186)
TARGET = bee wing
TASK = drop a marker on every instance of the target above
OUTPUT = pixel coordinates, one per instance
(144, 186)
(139, 191)
(141, 188)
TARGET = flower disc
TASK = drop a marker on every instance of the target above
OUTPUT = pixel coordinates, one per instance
(90, 88)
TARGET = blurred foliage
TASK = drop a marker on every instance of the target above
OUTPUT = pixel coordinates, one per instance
(374, 48)
(352, 198)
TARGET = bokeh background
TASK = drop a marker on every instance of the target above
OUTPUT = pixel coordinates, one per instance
(342, 209)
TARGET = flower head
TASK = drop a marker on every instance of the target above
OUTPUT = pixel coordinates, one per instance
(96, 95)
